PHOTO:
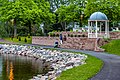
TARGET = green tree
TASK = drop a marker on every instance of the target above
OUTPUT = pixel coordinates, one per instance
(68, 14)
(110, 7)
(26, 12)
(55, 4)
(3, 32)
(71, 12)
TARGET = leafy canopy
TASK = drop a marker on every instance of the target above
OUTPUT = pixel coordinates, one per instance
(26, 10)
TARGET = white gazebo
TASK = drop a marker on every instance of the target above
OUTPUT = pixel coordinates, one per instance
(98, 26)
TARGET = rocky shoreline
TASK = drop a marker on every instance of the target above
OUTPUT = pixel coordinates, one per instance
(59, 61)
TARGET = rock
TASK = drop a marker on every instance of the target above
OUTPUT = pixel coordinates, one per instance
(58, 61)
(39, 76)
(44, 78)
(1, 46)
(58, 72)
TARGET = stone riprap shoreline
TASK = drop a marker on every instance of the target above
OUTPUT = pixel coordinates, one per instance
(59, 61)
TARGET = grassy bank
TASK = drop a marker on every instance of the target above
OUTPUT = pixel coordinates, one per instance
(2, 43)
(20, 40)
(83, 72)
(113, 47)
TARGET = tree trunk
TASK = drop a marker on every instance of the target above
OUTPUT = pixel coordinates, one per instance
(63, 25)
(29, 25)
(15, 28)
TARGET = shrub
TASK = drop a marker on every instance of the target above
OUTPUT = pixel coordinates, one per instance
(28, 35)
(71, 35)
(3, 32)
(25, 40)
(37, 34)
(76, 30)
(83, 35)
(58, 31)
(106, 39)
(71, 30)
(50, 33)
(54, 31)
(57, 35)
(12, 38)
(19, 38)
(68, 35)
(75, 35)
(53, 35)
(79, 35)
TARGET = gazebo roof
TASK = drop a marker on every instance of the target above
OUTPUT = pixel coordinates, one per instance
(98, 16)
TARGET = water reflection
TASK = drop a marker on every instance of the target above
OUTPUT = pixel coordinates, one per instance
(0, 66)
(11, 77)
(19, 68)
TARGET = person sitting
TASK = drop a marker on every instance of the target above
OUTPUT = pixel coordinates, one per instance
(56, 44)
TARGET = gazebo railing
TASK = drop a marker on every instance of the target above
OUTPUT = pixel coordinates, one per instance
(99, 35)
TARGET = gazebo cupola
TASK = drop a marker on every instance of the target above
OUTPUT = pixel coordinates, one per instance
(98, 26)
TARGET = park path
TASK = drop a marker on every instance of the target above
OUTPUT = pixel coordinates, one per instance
(110, 69)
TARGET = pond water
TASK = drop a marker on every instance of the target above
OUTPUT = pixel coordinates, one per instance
(19, 68)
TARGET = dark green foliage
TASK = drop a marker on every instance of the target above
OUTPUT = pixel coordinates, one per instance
(75, 35)
(3, 32)
(67, 14)
(26, 13)
(68, 35)
(28, 35)
(39, 32)
(76, 30)
(57, 35)
(53, 35)
(83, 35)
(79, 35)
(12, 38)
(71, 35)
(25, 40)
(19, 38)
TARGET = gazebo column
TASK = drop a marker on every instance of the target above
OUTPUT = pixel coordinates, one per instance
(91, 26)
(88, 29)
(106, 30)
(100, 28)
(96, 34)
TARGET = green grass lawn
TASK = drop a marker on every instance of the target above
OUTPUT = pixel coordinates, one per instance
(2, 43)
(29, 40)
(82, 72)
(113, 47)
